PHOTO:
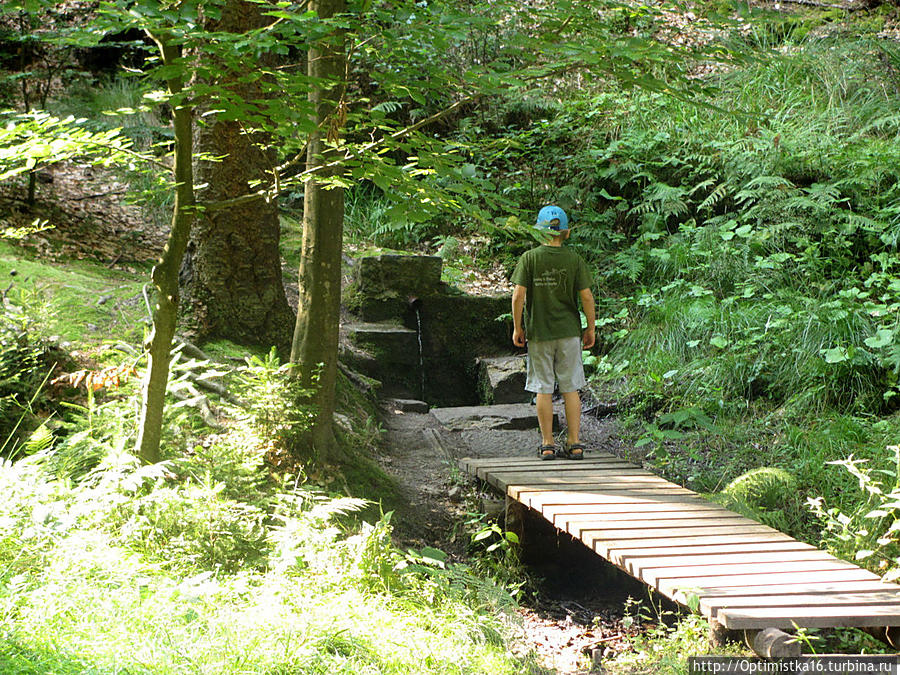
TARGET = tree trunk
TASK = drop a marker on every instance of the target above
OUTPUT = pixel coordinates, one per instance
(165, 276)
(231, 279)
(315, 343)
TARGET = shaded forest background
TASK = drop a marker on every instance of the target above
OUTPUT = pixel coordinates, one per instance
(733, 173)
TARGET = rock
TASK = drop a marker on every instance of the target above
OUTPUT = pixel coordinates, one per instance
(388, 353)
(104, 299)
(492, 507)
(402, 274)
(343, 422)
(507, 417)
(501, 379)
(407, 405)
(454, 494)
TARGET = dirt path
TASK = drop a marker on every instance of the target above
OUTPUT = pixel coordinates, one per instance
(580, 599)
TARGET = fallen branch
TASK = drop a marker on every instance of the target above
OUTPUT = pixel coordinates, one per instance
(610, 638)
(194, 399)
(99, 194)
(828, 5)
(192, 350)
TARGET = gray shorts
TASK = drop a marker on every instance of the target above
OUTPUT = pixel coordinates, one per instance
(555, 361)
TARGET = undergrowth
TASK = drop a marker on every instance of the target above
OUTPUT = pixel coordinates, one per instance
(216, 561)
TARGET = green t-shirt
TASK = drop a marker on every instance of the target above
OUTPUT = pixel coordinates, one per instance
(552, 276)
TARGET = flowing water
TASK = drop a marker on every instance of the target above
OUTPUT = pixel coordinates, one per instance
(421, 354)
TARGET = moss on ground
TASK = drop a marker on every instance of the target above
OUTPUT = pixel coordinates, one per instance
(77, 300)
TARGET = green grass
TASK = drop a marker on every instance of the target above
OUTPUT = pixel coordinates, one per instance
(63, 298)
(209, 563)
(212, 561)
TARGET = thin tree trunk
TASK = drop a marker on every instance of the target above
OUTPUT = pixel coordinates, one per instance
(315, 344)
(165, 275)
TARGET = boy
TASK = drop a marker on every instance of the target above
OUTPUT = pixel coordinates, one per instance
(549, 280)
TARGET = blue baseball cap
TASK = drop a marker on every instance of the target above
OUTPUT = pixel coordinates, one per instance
(552, 218)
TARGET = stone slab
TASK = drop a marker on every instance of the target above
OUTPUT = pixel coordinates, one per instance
(510, 416)
(501, 379)
(411, 275)
(407, 405)
(389, 343)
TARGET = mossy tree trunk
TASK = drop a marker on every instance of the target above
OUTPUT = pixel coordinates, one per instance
(315, 344)
(231, 282)
(165, 272)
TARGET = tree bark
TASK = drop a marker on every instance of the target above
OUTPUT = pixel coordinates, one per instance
(315, 344)
(165, 274)
(231, 278)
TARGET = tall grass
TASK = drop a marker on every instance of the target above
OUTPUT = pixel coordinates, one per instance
(210, 563)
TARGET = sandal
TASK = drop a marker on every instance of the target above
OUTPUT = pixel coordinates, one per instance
(547, 452)
(574, 451)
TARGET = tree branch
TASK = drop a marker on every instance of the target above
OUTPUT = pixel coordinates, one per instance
(268, 193)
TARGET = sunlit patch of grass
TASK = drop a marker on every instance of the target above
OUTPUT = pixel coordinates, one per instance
(210, 563)
(77, 300)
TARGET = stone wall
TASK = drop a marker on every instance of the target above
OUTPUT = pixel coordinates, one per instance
(400, 302)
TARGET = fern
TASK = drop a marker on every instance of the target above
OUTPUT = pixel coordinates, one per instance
(662, 199)
(713, 198)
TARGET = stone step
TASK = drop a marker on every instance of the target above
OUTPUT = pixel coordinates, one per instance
(509, 416)
(389, 343)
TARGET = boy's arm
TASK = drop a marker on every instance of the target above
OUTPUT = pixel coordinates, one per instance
(518, 306)
(590, 315)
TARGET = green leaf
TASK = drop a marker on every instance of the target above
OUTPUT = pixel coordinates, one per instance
(836, 355)
(882, 338)
(484, 534)
(434, 555)
(718, 341)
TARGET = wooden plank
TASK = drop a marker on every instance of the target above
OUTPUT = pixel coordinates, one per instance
(673, 525)
(741, 571)
(634, 510)
(699, 585)
(711, 606)
(514, 489)
(476, 462)
(633, 565)
(567, 470)
(540, 498)
(816, 589)
(542, 465)
(592, 535)
(538, 464)
(591, 477)
(859, 616)
(604, 547)
(670, 519)
(821, 589)
(688, 548)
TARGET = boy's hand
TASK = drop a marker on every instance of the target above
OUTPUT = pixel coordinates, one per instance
(588, 338)
(518, 337)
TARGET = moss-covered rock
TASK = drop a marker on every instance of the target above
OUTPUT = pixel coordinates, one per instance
(403, 275)
(766, 487)
(768, 495)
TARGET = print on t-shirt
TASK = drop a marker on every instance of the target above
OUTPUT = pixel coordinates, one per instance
(552, 278)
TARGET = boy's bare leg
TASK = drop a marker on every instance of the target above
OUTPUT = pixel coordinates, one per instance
(545, 417)
(572, 402)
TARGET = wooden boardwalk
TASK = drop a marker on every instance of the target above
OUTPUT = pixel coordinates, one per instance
(744, 574)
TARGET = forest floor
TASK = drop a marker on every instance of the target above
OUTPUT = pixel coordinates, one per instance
(575, 602)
